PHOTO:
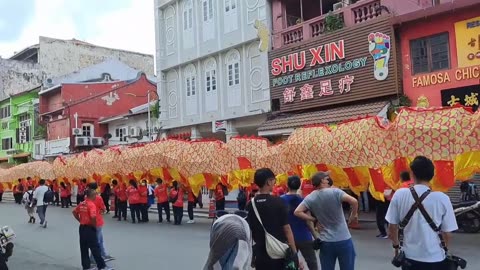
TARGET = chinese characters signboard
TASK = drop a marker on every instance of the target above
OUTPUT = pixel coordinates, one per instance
(467, 96)
(467, 35)
(350, 65)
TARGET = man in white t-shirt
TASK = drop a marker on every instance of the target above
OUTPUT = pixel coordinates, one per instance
(38, 196)
(422, 245)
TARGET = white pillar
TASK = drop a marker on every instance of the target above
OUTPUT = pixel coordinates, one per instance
(195, 134)
(231, 130)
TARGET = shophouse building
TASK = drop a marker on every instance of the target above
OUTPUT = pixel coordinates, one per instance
(212, 63)
(132, 127)
(440, 49)
(18, 114)
(331, 62)
(72, 111)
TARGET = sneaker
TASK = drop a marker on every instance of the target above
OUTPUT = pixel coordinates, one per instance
(107, 268)
(108, 258)
(45, 225)
(385, 237)
(380, 235)
(191, 221)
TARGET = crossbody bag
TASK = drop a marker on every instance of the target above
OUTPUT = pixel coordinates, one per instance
(276, 249)
(453, 261)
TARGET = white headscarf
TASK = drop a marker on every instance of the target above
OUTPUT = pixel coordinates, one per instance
(230, 244)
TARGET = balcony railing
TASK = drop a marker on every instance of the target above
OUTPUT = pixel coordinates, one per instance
(353, 14)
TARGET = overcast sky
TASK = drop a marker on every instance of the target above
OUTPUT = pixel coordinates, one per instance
(110, 23)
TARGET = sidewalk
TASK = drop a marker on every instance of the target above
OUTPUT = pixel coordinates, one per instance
(203, 212)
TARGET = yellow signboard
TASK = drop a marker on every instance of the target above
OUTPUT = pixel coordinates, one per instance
(467, 34)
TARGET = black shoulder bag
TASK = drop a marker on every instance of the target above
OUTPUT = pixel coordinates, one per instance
(452, 261)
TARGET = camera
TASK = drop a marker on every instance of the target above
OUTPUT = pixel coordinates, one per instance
(455, 262)
(400, 260)
(317, 243)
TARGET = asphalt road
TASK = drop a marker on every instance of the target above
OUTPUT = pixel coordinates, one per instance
(163, 246)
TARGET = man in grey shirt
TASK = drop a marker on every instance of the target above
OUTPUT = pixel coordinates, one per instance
(326, 204)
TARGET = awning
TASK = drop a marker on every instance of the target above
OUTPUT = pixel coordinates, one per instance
(285, 124)
(21, 155)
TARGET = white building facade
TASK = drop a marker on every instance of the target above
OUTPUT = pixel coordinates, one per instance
(131, 128)
(212, 66)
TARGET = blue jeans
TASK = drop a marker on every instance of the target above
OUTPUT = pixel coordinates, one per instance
(342, 250)
(100, 241)
(42, 210)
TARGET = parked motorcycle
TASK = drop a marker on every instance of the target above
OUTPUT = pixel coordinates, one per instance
(6, 246)
(468, 216)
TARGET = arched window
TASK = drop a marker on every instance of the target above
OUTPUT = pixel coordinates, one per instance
(207, 10)
(211, 97)
(233, 68)
(188, 15)
(191, 89)
(230, 16)
(234, 92)
(210, 75)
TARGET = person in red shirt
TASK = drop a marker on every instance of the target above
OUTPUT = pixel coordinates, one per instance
(306, 187)
(278, 191)
(219, 197)
(143, 190)
(82, 185)
(64, 195)
(29, 182)
(406, 180)
(101, 209)
(86, 213)
(69, 198)
(121, 204)
(191, 204)
(176, 197)
(161, 192)
(56, 189)
(133, 196)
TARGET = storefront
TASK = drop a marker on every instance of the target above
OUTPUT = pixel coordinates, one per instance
(441, 59)
(345, 74)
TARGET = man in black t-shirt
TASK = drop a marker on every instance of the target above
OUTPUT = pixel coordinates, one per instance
(273, 214)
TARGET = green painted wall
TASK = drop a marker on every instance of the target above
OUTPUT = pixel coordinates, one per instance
(21, 105)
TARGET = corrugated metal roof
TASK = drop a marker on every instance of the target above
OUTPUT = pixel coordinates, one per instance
(334, 115)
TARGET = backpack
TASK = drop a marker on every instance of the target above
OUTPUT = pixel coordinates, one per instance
(48, 196)
(30, 196)
(242, 196)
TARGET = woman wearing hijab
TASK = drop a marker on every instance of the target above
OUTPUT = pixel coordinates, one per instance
(230, 244)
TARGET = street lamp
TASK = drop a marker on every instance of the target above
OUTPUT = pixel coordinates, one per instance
(148, 109)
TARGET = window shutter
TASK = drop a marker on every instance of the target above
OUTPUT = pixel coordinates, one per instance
(27, 130)
(17, 135)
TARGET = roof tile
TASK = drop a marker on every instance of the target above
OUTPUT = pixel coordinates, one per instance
(324, 116)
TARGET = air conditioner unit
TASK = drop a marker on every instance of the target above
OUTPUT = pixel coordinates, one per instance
(82, 141)
(134, 131)
(77, 131)
(338, 6)
(97, 141)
